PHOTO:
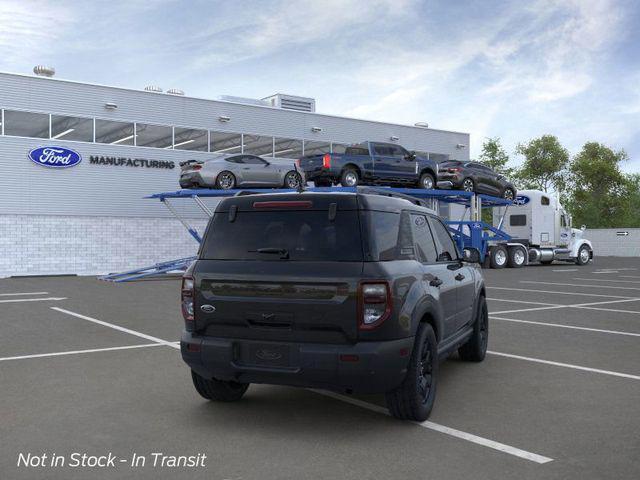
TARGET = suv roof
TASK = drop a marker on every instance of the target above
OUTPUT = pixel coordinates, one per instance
(361, 200)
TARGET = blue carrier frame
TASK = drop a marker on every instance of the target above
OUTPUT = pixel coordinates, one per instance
(472, 233)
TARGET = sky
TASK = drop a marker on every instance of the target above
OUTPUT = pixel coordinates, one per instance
(509, 69)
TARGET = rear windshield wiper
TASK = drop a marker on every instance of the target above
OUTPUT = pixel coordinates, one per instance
(283, 252)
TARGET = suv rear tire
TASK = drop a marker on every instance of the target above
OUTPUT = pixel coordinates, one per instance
(218, 390)
(413, 399)
(476, 347)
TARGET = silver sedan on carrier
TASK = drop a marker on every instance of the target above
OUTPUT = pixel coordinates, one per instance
(240, 170)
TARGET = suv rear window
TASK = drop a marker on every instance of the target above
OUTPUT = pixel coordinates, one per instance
(305, 235)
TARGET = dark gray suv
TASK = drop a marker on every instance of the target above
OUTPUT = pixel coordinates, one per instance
(351, 292)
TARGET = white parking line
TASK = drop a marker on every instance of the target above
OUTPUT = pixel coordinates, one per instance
(521, 301)
(565, 365)
(573, 327)
(581, 285)
(118, 327)
(577, 305)
(469, 437)
(629, 276)
(27, 293)
(559, 293)
(567, 270)
(19, 300)
(77, 352)
(605, 280)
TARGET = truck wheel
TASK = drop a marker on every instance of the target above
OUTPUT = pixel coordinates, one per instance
(426, 181)
(413, 399)
(226, 180)
(517, 257)
(476, 347)
(584, 255)
(217, 389)
(499, 256)
(349, 178)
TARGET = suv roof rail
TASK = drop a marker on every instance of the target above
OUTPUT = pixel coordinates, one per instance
(389, 193)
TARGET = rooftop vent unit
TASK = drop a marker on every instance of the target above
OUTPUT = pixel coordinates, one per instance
(175, 91)
(43, 71)
(153, 88)
(291, 102)
(244, 100)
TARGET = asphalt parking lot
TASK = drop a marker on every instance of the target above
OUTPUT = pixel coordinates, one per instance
(89, 366)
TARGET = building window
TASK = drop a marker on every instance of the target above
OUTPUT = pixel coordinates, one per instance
(338, 148)
(157, 136)
(115, 133)
(26, 124)
(287, 148)
(190, 139)
(71, 128)
(257, 145)
(226, 142)
(316, 148)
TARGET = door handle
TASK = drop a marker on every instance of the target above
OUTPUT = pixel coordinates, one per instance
(436, 282)
(459, 277)
(246, 168)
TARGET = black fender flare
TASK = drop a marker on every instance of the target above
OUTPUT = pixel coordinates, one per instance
(428, 307)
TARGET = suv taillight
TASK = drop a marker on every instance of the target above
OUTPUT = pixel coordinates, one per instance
(374, 304)
(187, 302)
(326, 160)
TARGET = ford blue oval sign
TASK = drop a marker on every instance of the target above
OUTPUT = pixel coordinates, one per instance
(55, 157)
(521, 200)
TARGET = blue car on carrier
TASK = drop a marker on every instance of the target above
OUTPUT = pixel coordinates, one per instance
(370, 163)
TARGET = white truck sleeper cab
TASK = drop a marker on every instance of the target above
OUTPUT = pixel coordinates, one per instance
(541, 233)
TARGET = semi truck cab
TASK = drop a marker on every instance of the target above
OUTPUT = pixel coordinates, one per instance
(540, 226)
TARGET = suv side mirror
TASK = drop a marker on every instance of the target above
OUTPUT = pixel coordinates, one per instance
(471, 255)
(411, 156)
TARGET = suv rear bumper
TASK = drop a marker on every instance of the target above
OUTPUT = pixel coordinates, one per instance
(380, 366)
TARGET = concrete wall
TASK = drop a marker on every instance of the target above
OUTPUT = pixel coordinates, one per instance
(611, 242)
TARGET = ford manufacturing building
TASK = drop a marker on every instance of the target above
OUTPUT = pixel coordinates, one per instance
(91, 217)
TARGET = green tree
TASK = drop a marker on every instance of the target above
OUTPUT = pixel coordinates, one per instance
(545, 164)
(494, 156)
(600, 194)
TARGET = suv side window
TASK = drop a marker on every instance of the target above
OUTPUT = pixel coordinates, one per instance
(237, 159)
(422, 238)
(253, 160)
(446, 247)
(383, 150)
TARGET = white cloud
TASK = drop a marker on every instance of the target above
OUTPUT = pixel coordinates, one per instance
(29, 30)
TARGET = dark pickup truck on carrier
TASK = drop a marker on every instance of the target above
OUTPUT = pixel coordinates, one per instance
(353, 292)
(370, 163)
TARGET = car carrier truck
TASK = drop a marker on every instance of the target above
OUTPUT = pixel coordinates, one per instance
(540, 231)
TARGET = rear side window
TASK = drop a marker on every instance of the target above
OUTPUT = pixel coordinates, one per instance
(357, 151)
(304, 235)
(422, 238)
(383, 229)
(444, 243)
(517, 220)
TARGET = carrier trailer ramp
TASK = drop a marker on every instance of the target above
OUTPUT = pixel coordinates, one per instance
(541, 232)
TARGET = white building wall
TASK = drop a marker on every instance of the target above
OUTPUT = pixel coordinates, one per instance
(55, 245)
(612, 242)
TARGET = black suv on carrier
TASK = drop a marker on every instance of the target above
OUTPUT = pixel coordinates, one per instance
(351, 292)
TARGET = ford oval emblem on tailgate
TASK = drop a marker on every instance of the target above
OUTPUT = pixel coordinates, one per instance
(208, 308)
